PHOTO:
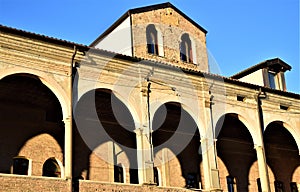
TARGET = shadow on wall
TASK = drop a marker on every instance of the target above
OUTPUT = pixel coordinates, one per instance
(30, 115)
(101, 121)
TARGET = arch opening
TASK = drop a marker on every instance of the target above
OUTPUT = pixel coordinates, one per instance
(27, 108)
(152, 39)
(51, 168)
(282, 155)
(186, 51)
(176, 141)
(104, 137)
(235, 149)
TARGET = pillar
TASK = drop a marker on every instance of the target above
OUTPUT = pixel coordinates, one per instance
(145, 161)
(210, 169)
(145, 154)
(263, 169)
(209, 154)
(111, 161)
(165, 169)
(68, 148)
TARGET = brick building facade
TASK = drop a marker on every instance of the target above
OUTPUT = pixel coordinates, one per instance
(139, 110)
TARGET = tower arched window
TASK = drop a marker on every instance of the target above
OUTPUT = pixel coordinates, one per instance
(152, 41)
(186, 52)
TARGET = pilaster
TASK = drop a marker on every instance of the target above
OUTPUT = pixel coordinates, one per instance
(68, 148)
(208, 148)
(262, 168)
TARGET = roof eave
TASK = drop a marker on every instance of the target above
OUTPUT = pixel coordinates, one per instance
(265, 64)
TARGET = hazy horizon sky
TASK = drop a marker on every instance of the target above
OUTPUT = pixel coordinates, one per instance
(240, 33)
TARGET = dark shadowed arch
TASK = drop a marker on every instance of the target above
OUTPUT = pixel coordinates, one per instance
(101, 117)
(175, 129)
(282, 153)
(27, 108)
(236, 149)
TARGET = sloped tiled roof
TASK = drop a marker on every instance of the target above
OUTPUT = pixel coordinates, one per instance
(139, 59)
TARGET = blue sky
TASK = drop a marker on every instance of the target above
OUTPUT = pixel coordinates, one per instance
(241, 33)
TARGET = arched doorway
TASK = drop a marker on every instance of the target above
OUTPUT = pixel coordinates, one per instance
(27, 108)
(175, 130)
(104, 121)
(235, 149)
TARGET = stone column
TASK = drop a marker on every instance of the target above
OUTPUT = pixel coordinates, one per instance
(263, 169)
(111, 161)
(145, 163)
(68, 147)
(165, 169)
(206, 164)
(210, 169)
(208, 149)
(145, 154)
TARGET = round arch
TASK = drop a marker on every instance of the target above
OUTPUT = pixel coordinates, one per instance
(49, 82)
(53, 167)
(236, 150)
(291, 130)
(244, 119)
(127, 103)
(154, 106)
(187, 37)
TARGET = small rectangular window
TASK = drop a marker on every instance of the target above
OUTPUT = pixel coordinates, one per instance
(156, 179)
(258, 185)
(294, 187)
(240, 98)
(21, 165)
(284, 107)
(192, 181)
(118, 173)
(230, 183)
(279, 186)
(274, 82)
(271, 77)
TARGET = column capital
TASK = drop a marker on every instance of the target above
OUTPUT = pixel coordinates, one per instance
(139, 131)
(256, 147)
(67, 120)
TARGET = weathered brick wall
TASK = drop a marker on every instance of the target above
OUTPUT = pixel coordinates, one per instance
(99, 169)
(171, 25)
(91, 186)
(14, 183)
(32, 148)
